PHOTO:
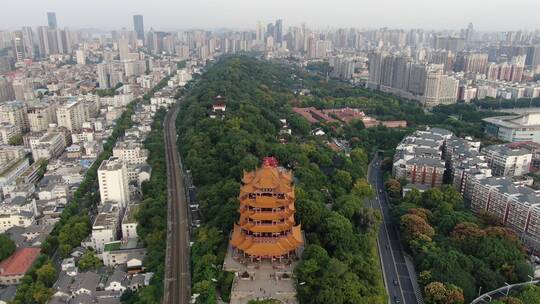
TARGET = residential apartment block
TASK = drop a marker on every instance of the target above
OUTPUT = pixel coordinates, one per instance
(113, 181)
(418, 158)
(511, 201)
(507, 161)
(106, 226)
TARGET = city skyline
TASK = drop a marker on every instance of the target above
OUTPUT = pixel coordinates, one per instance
(241, 14)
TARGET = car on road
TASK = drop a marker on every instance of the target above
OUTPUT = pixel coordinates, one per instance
(396, 300)
(395, 282)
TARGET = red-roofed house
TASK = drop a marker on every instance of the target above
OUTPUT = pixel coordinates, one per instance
(15, 267)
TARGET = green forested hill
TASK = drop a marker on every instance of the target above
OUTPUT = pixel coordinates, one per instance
(340, 264)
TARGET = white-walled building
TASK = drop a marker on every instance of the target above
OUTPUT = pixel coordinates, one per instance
(106, 226)
(117, 100)
(418, 157)
(129, 222)
(14, 113)
(130, 152)
(8, 153)
(514, 204)
(12, 170)
(17, 212)
(505, 161)
(114, 181)
(50, 145)
(71, 115)
(524, 127)
(40, 116)
(7, 132)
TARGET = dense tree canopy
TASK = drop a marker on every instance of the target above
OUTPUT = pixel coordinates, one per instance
(89, 261)
(455, 252)
(7, 246)
(340, 264)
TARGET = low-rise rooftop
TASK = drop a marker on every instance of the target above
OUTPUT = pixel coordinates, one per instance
(19, 262)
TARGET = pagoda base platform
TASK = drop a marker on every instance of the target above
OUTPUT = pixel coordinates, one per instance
(261, 279)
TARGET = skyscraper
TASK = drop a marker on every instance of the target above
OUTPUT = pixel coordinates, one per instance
(51, 19)
(260, 32)
(123, 48)
(279, 31)
(138, 26)
(440, 88)
(28, 41)
(469, 32)
(104, 75)
(43, 41)
(375, 68)
(18, 45)
(533, 55)
(270, 30)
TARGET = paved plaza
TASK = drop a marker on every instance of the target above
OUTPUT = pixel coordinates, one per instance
(260, 280)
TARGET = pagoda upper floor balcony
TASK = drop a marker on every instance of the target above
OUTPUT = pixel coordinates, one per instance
(265, 201)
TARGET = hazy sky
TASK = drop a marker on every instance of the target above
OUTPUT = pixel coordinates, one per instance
(181, 14)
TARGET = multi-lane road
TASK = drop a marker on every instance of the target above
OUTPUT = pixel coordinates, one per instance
(177, 274)
(398, 280)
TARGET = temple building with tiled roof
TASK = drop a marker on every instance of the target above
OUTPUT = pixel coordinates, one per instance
(266, 228)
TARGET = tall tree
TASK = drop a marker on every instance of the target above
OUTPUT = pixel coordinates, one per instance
(7, 246)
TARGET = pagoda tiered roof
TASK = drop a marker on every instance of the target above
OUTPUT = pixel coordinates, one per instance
(266, 227)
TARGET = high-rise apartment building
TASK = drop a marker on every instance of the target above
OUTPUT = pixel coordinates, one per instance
(18, 45)
(417, 79)
(81, 56)
(402, 71)
(418, 158)
(14, 113)
(259, 34)
(71, 115)
(40, 116)
(453, 44)
(440, 88)
(475, 63)
(113, 181)
(43, 41)
(6, 90)
(400, 74)
(533, 55)
(514, 204)
(506, 161)
(103, 73)
(123, 48)
(50, 145)
(28, 41)
(375, 67)
(7, 132)
(131, 153)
